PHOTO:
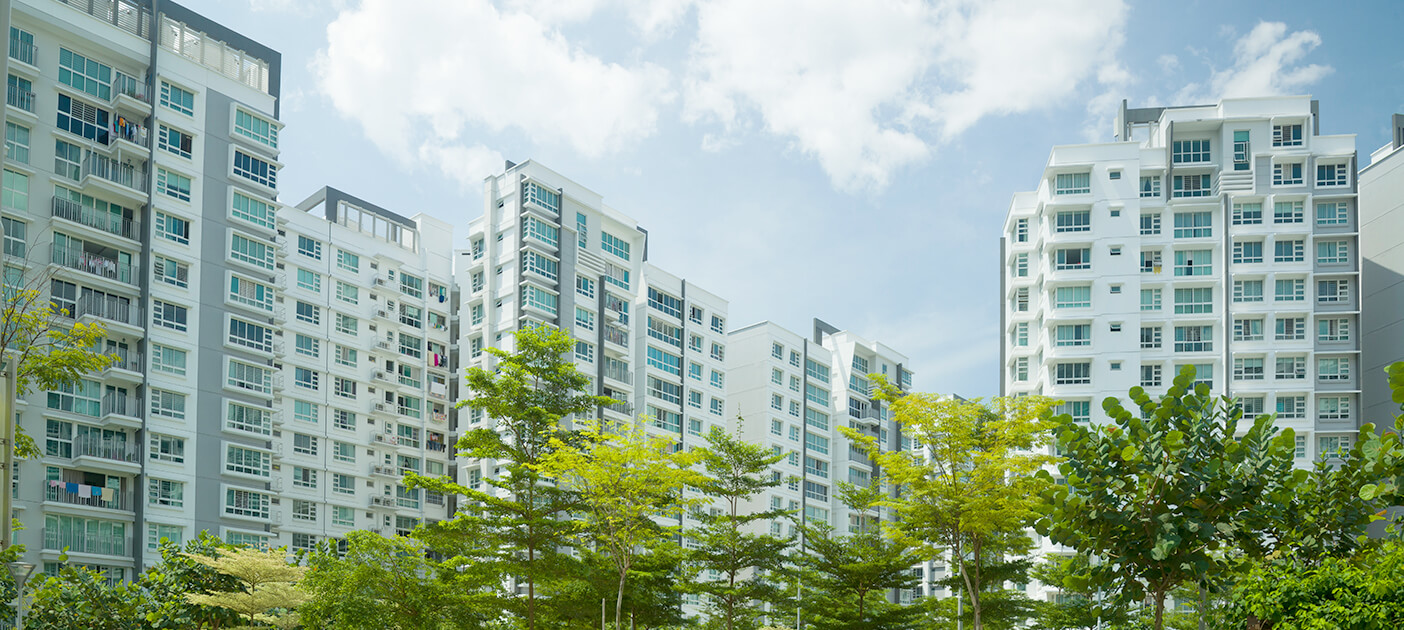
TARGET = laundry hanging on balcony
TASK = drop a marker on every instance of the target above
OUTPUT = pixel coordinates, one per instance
(85, 491)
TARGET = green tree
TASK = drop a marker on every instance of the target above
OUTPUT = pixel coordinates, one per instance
(628, 481)
(736, 471)
(967, 489)
(383, 582)
(1158, 496)
(1364, 592)
(511, 530)
(848, 576)
(81, 598)
(166, 583)
(265, 591)
(1081, 605)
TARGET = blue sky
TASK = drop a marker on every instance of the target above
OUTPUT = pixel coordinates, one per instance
(851, 161)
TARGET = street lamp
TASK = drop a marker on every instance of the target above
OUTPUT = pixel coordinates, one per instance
(19, 572)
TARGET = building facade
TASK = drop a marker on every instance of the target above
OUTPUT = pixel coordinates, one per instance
(1222, 237)
(1382, 275)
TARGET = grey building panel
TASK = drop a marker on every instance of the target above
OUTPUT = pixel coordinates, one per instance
(328, 199)
(235, 40)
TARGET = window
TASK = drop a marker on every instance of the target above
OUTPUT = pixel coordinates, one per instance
(1291, 368)
(1291, 290)
(1073, 335)
(1194, 262)
(178, 99)
(1194, 224)
(1075, 258)
(1241, 154)
(15, 234)
(816, 394)
(1072, 373)
(1333, 407)
(666, 361)
(1245, 252)
(16, 191)
(1021, 334)
(1300, 452)
(1021, 230)
(1150, 224)
(247, 461)
(240, 417)
(1151, 375)
(714, 406)
(1073, 221)
(306, 378)
(308, 313)
(343, 484)
(1021, 300)
(1194, 338)
(1337, 329)
(343, 516)
(817, 371)
(1191, 186)
(174, 141)
(536, 229)
(1072, 183)
(1332, 213)
(1150, 299)
(310, 280)
(1150, 186)
(309, 247)
(1333, 369)
(346, 324)
(1189, 151)
(795, 358)
(84, 74)
(172, 184)
(1290, 329)
(68, 159)
(718, 379)
(255, 128)
(1287, 212)
(17, 142)
(1072, 297)
(1286, 173)
(1113, 174)
(169, 315)
(1080, 410)
(176, 273)
(1020, 370)
(1196, 300)
(1021, 265)
(304, 478)
(164, 448)
(584, 352)
(614, 245)
(718, 351)
(1291, 407)
(1252, 406)
(1332, 175)
(347, 293)
(250, 335)
(1248, 369)
(157, 533)
(1248, 213)
(1248, 329)
(250, 293)
(1332, 252)
(173, 228)
(344, 387)
(1247, 290)
(1287, 251)
(1150, 337)
(253, 252)
(167, 404)
(167, 360)
(304, 444)
(1287, 135)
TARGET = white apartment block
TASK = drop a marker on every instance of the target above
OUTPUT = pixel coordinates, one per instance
(363, 304)
(1220, 236)
(1382, 275)
(139, 149)
(790, 393)
(549, 252)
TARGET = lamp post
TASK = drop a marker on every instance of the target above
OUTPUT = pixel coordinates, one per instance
(20, 572)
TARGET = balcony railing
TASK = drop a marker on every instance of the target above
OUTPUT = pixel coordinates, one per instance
(22, 52)
(617, 371)
(79, 259)
(122, 312)
(616, 335)
(114, 404)
(93, 218)
(127, 360)
(117, 450)
(124, 14)
(621, 407)
(103, 167)
(85, 542)
(123, 500)
(130, 86)
(18, 97)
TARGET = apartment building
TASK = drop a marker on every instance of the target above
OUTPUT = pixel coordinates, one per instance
(363, 305)
(1382, 275)
(548, 252)
(790, 393)
(158, 169)
(1220, 236)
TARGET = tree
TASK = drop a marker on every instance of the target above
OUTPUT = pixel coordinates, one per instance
(166, 583)
(850, 576)
(79, 597)
(736, 471)
(1157, 496)
(265, 590)
(970, 491)
(627, 481)
(378, 583)
(1365, 592)
(512, 530)
(1081, 606)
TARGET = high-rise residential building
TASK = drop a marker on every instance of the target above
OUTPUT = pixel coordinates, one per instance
(364, 310)
(1382, 274)
(790, 393)
(141, 167)
(1219, 236)
(548, 252)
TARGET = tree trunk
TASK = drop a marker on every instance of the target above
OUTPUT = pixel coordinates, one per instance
(619, 600)
(1159, 610)
(531, 589)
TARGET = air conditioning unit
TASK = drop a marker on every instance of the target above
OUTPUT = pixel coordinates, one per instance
(384, 407)
(383, 438)
(383, 469)
(382, 501)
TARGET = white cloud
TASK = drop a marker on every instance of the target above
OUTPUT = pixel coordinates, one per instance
(421, 76)
(869, 88)
(1168, 63)
(1266, 63)
(651, 18)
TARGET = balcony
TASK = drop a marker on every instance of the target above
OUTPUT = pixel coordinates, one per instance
(130, 92)
(124, 14)
(129, 179)
(86, 542)
(103, 221)
(109, 454)
(93, 263)
(616, 371)
(616, 336)
(59, 494)
(19, 98)
(128, 365)
(111, 311)
(22, 52)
